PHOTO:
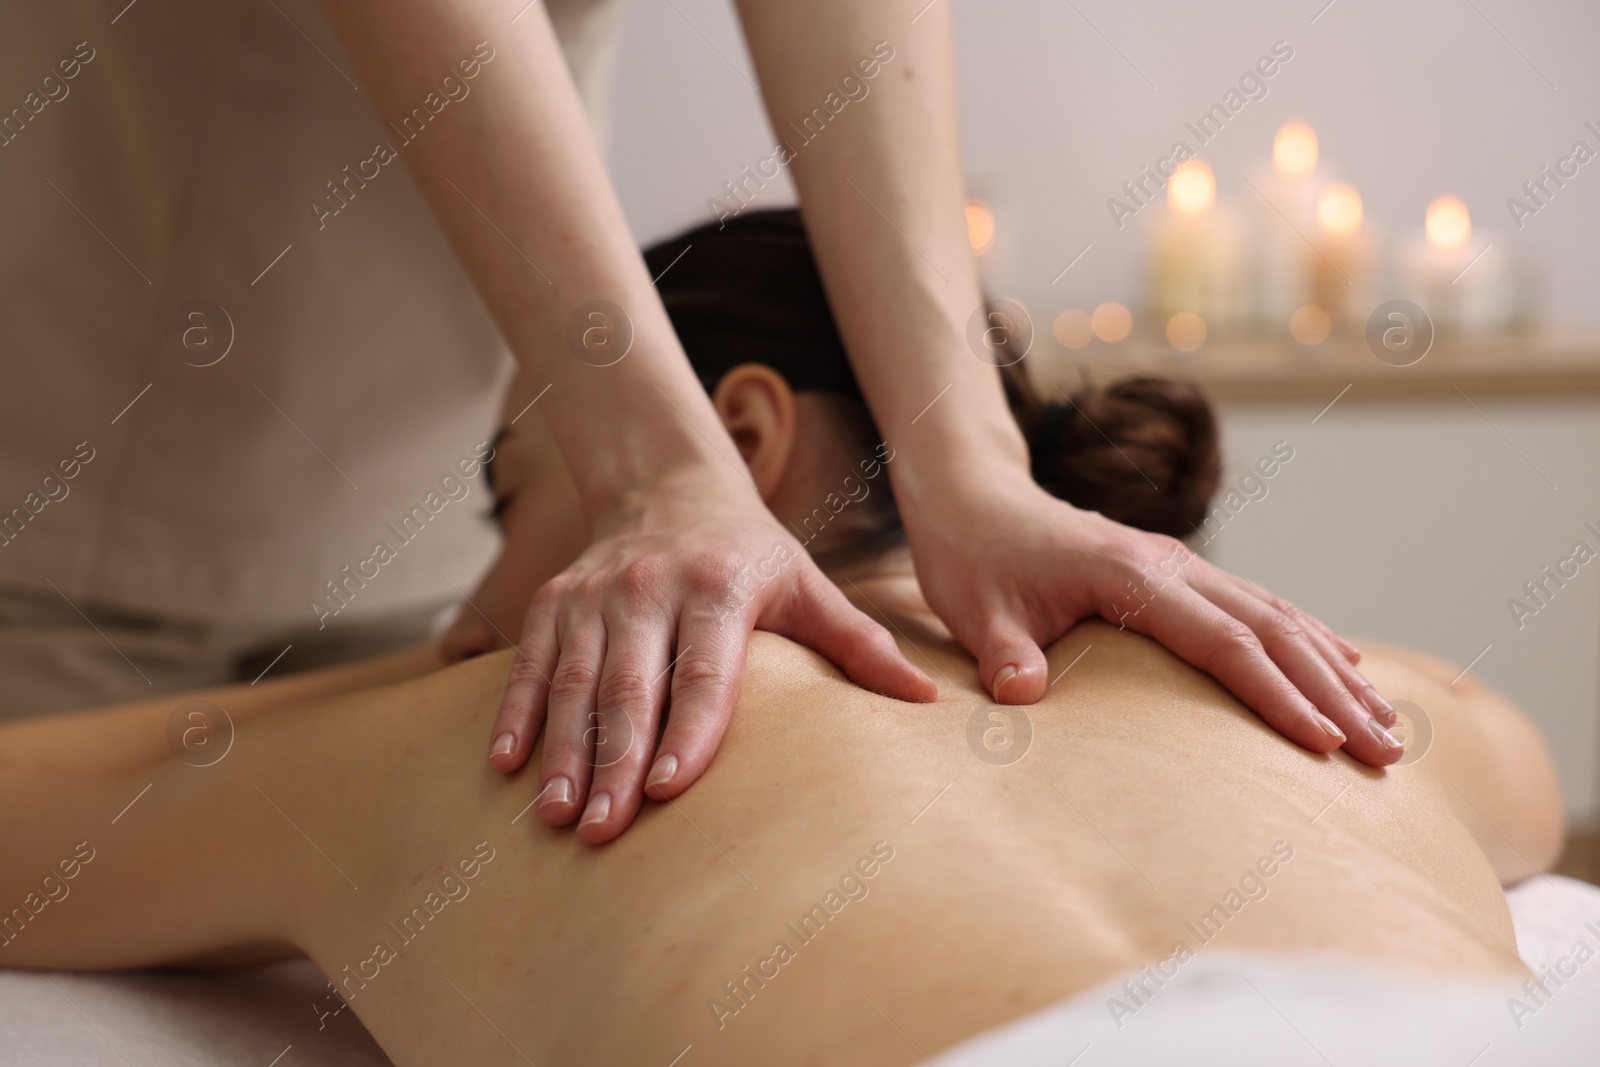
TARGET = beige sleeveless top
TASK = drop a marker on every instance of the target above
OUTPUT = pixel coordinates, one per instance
(160, 455)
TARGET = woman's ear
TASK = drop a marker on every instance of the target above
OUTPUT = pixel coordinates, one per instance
(757, 408)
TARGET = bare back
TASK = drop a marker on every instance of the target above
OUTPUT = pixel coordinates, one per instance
(856, 880)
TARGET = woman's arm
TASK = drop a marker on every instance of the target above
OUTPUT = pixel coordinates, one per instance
(125, 737)
(295, 839)
(145, 867)
(1008, 567)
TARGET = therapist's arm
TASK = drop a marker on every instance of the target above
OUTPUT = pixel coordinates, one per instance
(513, 174)
(1007, 566)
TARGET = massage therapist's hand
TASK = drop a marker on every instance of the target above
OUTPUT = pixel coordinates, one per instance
(674, 529)
(665, 597)
(1010, 568)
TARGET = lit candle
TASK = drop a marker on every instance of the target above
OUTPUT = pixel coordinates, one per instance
(1341, 256)
(1464, 283)
(1195, 260)
(1283, 210)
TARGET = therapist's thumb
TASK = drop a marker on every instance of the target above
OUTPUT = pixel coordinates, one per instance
(1010, 663)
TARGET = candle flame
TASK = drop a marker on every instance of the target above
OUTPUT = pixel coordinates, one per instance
(1339, 209)
(1449, 224)
(1294, 149)
(1192, 188)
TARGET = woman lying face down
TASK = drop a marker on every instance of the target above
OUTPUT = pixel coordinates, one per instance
(854, 880)
(748, 296)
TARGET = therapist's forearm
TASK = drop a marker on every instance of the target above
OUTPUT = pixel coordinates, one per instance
(882, 194)
(513, 174)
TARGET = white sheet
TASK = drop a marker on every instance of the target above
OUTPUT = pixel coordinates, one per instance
(1224, 1008)
(258, 1018)
(1230, 1009)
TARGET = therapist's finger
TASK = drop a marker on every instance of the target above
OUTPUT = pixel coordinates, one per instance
(632, 689)
(522, 706)
(1010, 661)
(1309, 622)
(1303, 664)
(1213, 641)
(1346, 651)
(1327, 643)
(818, 615)
(1351, 653)
(709, 670)
(707, 674)
(571, 723)
(1380, 709)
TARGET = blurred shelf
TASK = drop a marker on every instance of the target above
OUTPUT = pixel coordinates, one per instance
(1264, 371)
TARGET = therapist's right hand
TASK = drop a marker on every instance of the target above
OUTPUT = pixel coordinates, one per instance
(661, 605)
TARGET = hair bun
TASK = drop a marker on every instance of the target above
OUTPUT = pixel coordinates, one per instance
(1142, 451)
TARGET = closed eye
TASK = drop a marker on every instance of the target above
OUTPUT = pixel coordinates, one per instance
(498, 508)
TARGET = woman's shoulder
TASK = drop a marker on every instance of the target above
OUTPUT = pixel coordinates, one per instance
(1093, 660)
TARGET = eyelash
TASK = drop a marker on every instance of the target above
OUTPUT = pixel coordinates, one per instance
(498, 508)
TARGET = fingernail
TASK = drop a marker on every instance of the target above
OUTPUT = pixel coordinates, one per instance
(599, 807)
(1003, 676)
(1325, 724)
(1382, 736)
(557, 790)
(503, 744)
(662, 770)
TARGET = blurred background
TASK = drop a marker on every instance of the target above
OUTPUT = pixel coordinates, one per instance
(1426, 152)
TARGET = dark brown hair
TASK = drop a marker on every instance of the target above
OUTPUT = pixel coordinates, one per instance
(1142, 451)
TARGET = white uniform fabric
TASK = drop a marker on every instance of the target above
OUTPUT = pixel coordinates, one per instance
(158, 153)
(1354, 1014)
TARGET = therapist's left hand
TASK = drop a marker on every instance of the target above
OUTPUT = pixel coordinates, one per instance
(1011, 568)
